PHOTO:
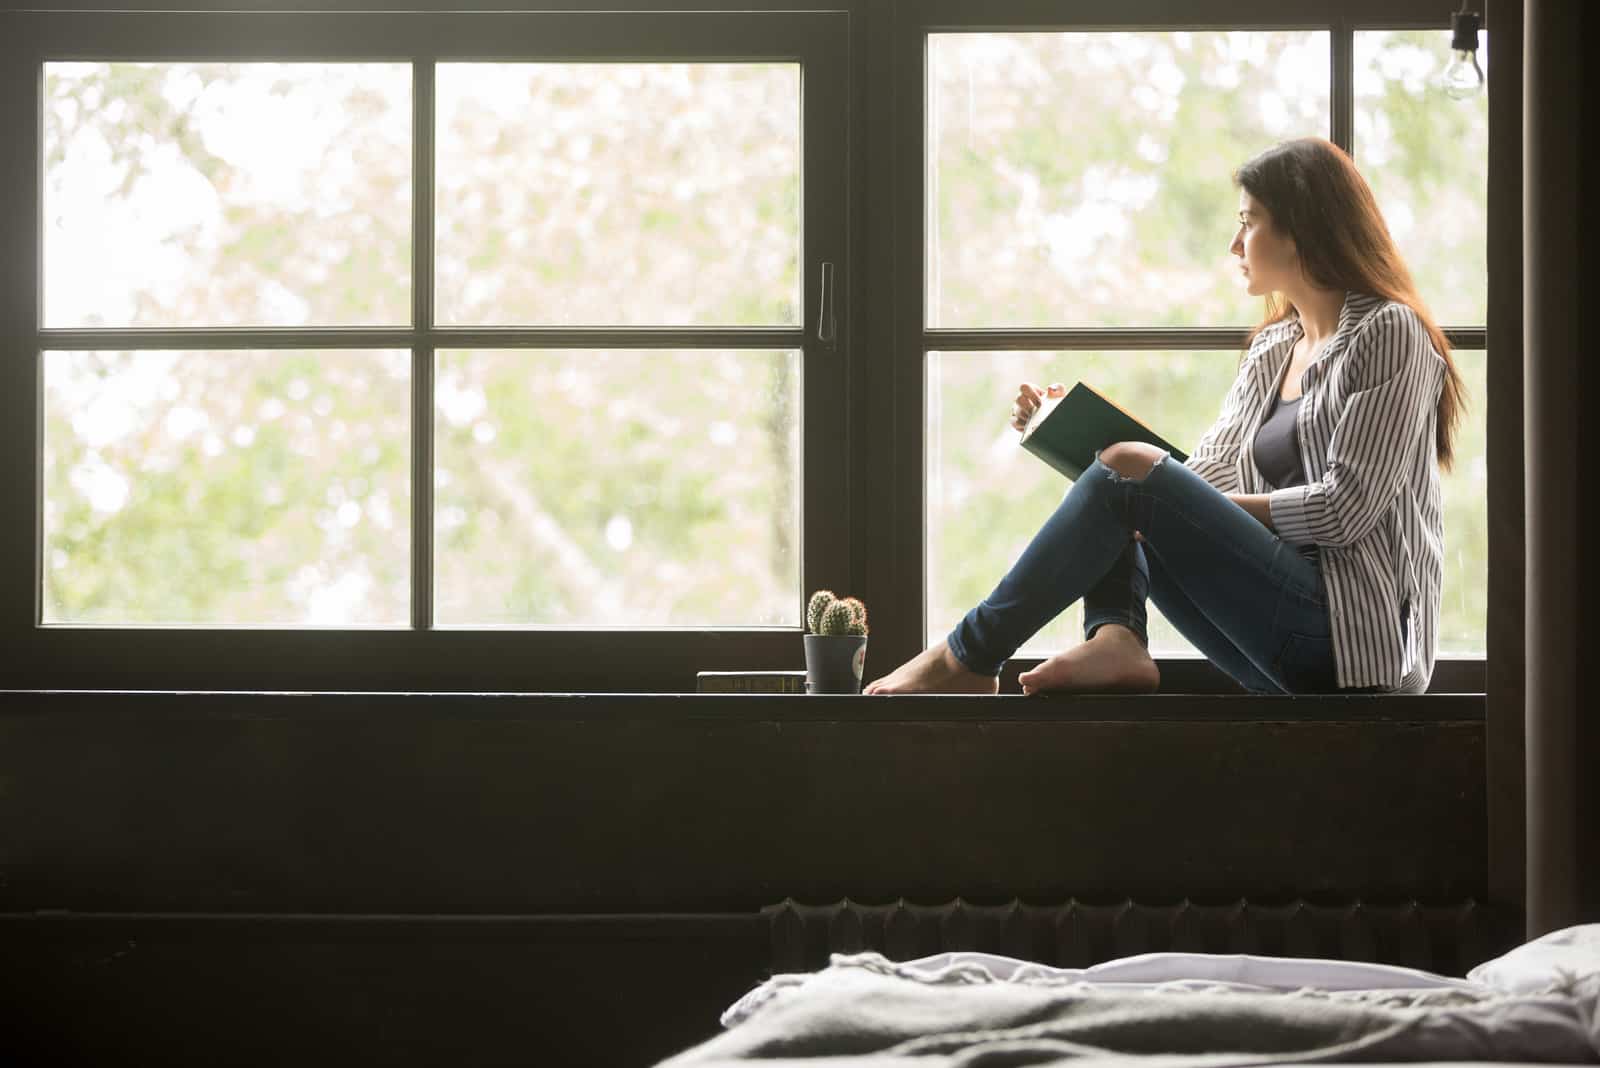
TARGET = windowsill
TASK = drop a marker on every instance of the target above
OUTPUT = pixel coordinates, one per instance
(489, 661)
(392, 706)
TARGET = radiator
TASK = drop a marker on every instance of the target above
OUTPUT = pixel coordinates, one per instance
(1445, 938)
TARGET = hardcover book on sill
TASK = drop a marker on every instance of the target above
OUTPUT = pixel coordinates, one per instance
(1066, 431)
(750, 682)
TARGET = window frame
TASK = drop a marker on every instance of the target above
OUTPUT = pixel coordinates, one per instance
(418, 656)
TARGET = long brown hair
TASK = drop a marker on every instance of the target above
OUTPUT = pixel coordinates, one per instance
(1315, 195)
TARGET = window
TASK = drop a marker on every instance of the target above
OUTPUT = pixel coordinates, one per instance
(1077, 220)
(492, 350)
(1080, 181)
(363, 353)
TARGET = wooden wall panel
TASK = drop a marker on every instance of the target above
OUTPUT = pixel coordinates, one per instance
(455, 803)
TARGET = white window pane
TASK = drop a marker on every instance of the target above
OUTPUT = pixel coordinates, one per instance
(1426, 157)
(1085, 179)
(227, 194)
(617, 489)
(1464, 601)
(227, 488)
(634, 194)
(987, 496)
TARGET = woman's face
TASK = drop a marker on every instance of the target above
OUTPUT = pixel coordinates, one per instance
(1267, 258)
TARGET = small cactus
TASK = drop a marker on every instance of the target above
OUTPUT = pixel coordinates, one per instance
(828, 614)
(837, 619)
(819, 604)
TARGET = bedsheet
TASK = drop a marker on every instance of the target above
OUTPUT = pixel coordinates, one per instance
(1540, 1003)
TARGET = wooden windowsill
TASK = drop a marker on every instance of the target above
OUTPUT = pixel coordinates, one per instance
(160, 705)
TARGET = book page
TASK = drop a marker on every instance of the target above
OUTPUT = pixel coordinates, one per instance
(1118, 407)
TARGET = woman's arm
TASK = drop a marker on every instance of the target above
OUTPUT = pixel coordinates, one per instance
(1257, 504)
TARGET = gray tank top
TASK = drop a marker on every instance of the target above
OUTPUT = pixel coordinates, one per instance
(1278, 447)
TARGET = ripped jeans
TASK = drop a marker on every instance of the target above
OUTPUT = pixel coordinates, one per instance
(1251, 602)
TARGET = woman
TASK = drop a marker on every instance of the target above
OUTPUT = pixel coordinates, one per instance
(1300, 547)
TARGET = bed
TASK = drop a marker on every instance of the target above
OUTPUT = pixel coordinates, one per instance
(1538, 1003)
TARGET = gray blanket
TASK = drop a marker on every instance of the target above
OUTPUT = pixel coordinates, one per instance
(864, 1012)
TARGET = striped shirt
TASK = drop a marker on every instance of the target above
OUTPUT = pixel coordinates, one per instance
(1371, 502)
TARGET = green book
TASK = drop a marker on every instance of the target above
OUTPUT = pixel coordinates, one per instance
(1065, 431)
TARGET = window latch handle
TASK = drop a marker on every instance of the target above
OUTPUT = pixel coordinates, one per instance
(826, 324)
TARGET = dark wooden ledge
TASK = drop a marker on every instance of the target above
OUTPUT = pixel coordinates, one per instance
(551, 803)
(162, 705)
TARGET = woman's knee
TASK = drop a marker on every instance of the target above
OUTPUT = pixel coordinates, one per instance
(1131, 459)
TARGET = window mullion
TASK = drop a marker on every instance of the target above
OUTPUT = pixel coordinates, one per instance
(21, 373)
(1341, 90)
(422, 351)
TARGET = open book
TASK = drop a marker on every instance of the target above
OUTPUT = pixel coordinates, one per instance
(1065, 431)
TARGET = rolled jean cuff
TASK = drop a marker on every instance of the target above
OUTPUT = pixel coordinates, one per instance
(1127, 620)
(959, 650)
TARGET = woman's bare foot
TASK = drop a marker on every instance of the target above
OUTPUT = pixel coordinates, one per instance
(934, 670)
(1113, 661)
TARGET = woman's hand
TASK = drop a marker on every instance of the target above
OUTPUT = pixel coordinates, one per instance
(1029, 397)
(1028, 400)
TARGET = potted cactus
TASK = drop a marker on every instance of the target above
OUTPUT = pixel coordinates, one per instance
(836, 643)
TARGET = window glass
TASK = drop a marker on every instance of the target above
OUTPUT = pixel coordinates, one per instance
(227, 488)
(1426, 157)
(617, 489)
(660, 194)
(1464, 599)
(1084, 179)
(227, 194)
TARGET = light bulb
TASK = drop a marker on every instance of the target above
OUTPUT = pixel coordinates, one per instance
(1463, 78)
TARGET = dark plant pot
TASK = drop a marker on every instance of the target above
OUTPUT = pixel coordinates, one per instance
(834, 662)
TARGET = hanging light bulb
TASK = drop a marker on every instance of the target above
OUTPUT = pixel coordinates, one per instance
(1463, 78)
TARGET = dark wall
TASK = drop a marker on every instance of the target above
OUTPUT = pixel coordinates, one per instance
(284, 990)
(527, 804)
(387, 877)
(1563, 744)
(1587, 836)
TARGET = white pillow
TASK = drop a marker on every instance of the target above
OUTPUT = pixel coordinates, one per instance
(1239, 969)
(1549, 961)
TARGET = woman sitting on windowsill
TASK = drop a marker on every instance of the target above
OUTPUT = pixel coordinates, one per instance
(1301, 546)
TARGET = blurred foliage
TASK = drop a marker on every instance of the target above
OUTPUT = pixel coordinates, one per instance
(1427, 159)
(671, 192)
(168, 203)
(1084, 179)
(1078, 180)
(227, 487)
(685, 510)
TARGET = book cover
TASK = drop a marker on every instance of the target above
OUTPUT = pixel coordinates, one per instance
(1065, 431)
(750, 682)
